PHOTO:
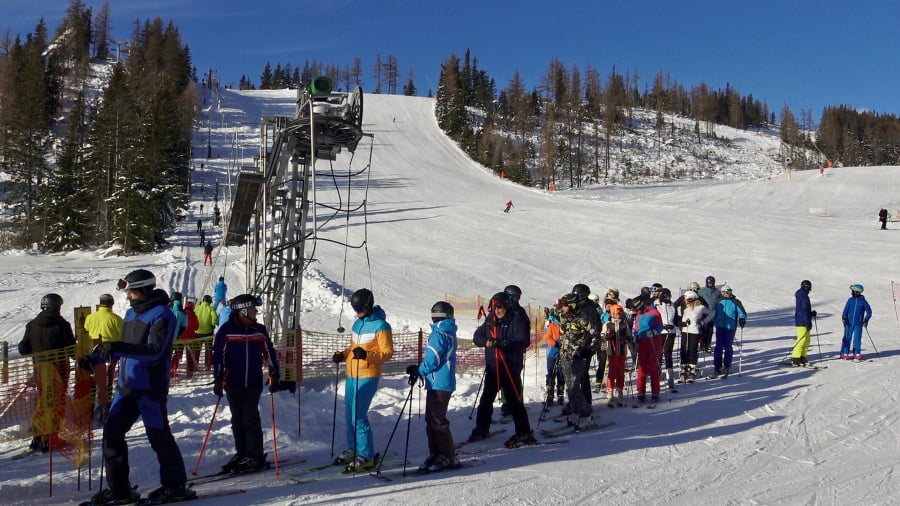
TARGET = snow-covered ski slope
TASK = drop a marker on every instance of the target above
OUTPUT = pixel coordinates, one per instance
(769, 435)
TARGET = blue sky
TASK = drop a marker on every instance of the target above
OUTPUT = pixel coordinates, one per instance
(803, 53)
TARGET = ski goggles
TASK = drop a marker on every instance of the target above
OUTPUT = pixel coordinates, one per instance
(124, 285)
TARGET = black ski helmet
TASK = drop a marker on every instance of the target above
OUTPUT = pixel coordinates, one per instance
(710, 279)
(441, 310)
(636, 304)
(362, 301)
(242, 302)
(499, 299)
(513, 292)
(581, 291)
(806, 285)
(140, 280)
(51, 301)
(665, 295)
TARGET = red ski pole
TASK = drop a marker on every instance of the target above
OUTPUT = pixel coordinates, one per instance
(205, 439)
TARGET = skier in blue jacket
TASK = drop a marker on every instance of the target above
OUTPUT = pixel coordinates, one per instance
(438, 368)
(857, 312)
(729, 316)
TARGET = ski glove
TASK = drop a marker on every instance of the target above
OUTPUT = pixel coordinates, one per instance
(742, 322)
(846, 322)
(359, 353)
(413, 371)
(86, 363)
(274, 376)
(865, 323)
(813, 314)
(338, 357)
(108, 348)
(218, 386)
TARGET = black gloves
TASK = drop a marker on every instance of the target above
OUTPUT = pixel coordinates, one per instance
(669, 327)
(413, 371)
(742, 322)
(866, 322)
(687, 322)
(86, 363)
(846, 322)
(501, 343)
(338, 357)
(359, 353)
(274, 376)
(813, 313)
(108, 348)
(218, 386)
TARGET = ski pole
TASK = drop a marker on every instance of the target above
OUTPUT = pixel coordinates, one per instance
(741, 352)
(478, 393)
(818, 344)
(337, 373)
(412, 385)
(545, 409)
(274, 431)
(871, 341)
(206, 438)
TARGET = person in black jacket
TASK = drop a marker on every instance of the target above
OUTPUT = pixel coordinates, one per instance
(49, 335)
(504, 340)
(240, 349)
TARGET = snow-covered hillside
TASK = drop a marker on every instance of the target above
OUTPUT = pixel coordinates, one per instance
(769, 435)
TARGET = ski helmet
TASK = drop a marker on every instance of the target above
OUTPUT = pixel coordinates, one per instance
(655, 287)
(806, 285)
(710, 279)
(500, 299)
(441, 310)
(665, 295)
(727, 289)
(594, 297)
(513, 292)
(612, 294)
(242, 303)
(636, 304)
(695, 286)
(207, 299)
(140, 280)
(51, 301)
(856, 288)
(581, 291)
(690, 295)
(176, 296)
(362, 301)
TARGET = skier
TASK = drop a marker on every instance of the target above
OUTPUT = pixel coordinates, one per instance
(855, 316)
(207, 253)
(184, 342)
(711, 295)
(145, 351)
(509, 205)
(882, 217)
(647, 328)
(695, 317)
(729, 316)
(242, 346)
(207, 320)
(504, 340)
(576, 329)
(803, 316)
(220, 290)
(104, 325)
(599, 345)
(555, 380)
(438, 367)
(371, 345)
(616, 332)
(50, 337)
(199, 225)
(670, 322)
(588, 309)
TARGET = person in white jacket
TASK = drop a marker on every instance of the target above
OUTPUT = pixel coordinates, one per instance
(695, 317)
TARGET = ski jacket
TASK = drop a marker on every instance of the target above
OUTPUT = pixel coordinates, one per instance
(647, 324)
(711, 296)
(696, 317)
(803, 311)
(180, 317)
(668, 315)
(239, 353)
(207, 319)
(575, 339)
(857, 311)
(146, 346)
(104, 325)
(438, 366)
(47, 332)
(728, 312)
(373, 334)
(190, 332)
(219, 290)
(509, 337)
(617, 334)
(551, 337)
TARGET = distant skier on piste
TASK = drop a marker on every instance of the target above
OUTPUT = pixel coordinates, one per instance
(509, 205)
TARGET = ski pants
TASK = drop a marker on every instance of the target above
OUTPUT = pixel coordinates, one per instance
(576, 369)
(649, 349)
(801, 347)
(601, 366)
(510, 383)
(358, 396)
(245, 422)
(852, 336)
(555, 377)
(724, 349)
(668, 344)
(615, 379)
(689, 346)
(127, 406)
(437, 427)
